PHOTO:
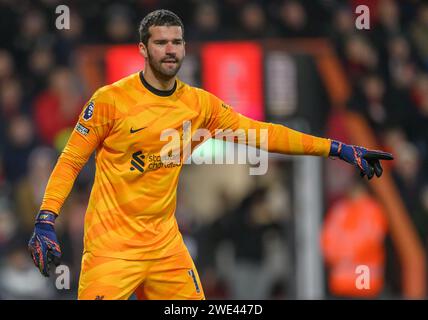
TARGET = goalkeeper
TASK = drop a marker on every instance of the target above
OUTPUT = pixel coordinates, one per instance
(132, 243)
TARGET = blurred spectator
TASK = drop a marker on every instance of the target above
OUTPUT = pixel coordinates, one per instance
(11, 100)
(393, 138)
(343, 25)
(208, 237)
(353, 235)
(408, 175)
(293, 20)
(41, 61)
(8, 21)
(20, 280)
(249, 229)
(8, 226)
(33, 33)
(384, 104)
(399, 74)
(253, 23)
(388, 24)
(371, 101)
(68, 40)
(360, 57)
(206, 23)
(29, 192)
(19, 143)
(401, 67)
(420, 93)
(419, 33)
(11, 105)
(57, 108)
(6, 65)
(418, 132)
(34, 25)
(230, 9)
(119, 25)
(374, 96)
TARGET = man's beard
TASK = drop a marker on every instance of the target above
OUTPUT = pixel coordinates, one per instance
(161, 71)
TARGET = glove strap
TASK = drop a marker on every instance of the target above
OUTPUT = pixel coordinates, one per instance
(46, 217)
(336, 147)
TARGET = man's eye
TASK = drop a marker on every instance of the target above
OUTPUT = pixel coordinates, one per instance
(175, 42)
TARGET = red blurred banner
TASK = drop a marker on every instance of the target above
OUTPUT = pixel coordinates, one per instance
(233, 72)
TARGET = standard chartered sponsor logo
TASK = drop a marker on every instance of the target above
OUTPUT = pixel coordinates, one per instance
(156, 162)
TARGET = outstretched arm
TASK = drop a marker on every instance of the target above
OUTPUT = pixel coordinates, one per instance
(284, 140)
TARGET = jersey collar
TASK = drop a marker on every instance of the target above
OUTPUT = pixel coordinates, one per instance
(162, 93)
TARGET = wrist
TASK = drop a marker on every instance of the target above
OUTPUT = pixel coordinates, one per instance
(45, 217)
(335, 148)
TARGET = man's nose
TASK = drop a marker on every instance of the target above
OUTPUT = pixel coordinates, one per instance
(170, 48)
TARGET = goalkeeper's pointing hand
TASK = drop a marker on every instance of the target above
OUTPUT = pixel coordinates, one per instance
(368, 161)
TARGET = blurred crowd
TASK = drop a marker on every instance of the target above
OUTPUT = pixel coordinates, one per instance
(41, 96)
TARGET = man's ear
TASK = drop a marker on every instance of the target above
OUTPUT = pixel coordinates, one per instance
(143, 50)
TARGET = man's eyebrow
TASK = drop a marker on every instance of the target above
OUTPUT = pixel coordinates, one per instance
(163, 39)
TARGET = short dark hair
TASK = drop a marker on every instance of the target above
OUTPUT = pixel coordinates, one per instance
(158, 18)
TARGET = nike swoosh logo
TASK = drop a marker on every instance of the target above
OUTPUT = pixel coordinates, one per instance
(136, 130)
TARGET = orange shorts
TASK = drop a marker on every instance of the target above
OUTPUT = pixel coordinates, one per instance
(174, 277)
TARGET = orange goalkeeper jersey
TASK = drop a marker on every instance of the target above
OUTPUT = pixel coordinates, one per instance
(131, 209)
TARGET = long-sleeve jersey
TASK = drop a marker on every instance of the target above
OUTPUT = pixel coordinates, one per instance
(131, 210)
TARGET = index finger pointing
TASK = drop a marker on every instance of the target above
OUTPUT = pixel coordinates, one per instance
(377, 155)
